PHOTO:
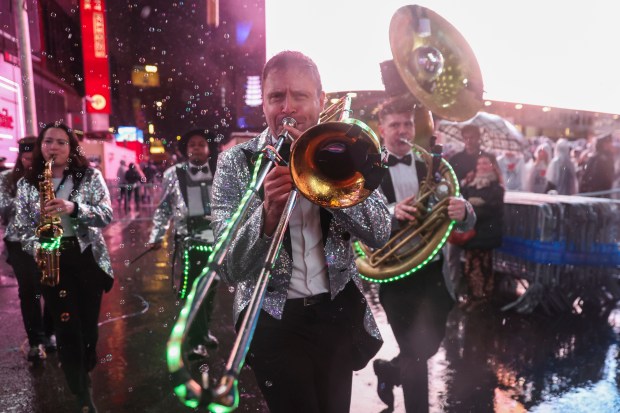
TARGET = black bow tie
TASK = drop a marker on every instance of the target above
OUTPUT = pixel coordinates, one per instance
(393, 160)
(194, 170)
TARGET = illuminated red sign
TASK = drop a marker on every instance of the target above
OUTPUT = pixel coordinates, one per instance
(95, 52)
(6, 120)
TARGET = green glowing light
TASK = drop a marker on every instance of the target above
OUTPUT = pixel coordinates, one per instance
(185, 281)
(52, 245)
(360, 252)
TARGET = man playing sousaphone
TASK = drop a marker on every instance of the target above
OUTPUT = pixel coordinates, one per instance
(315, 327)
(416, 306)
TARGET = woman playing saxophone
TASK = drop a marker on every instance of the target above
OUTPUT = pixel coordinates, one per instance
(82, 203)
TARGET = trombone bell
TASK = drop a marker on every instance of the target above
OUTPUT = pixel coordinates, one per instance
(329, 163)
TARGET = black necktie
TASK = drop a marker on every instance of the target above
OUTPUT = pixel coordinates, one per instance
(393, 160)
(194, 170)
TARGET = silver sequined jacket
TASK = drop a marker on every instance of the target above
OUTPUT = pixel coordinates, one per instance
(94, 213)
(7, 207)
(172, 206)
(368, 221)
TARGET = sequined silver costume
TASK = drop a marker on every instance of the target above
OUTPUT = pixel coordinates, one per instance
(7, 207)
(170, 206)
(369, 221)
(94, 213)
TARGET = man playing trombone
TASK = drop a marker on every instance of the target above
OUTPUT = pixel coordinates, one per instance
(315, 327)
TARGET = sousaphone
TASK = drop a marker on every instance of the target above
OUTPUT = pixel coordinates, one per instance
(439, 73)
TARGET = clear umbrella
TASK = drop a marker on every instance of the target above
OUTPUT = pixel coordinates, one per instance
(496, 133)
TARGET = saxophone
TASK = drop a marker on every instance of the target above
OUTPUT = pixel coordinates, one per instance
(49, 232)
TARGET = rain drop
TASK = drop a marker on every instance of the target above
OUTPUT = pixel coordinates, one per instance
(268, 383)
(160, 309)
(62, 293)
(64, 317)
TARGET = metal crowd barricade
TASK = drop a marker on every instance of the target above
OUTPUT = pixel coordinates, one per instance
(564, 251)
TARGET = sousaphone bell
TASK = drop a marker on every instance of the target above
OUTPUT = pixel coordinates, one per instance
(434, 68)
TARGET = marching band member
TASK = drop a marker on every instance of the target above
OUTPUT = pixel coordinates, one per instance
(38, 324)
(82, 202)
(315, 327)
(416, 306)
(186, 201)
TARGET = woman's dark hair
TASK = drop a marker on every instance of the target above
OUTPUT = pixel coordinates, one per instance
(212, 143)
(18, 170)
(77, 161)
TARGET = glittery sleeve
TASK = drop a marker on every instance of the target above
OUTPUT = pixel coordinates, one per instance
(247, 250)
(163, 212)
(6, 201)
(94, 205)
(369, 221)
(26, 214)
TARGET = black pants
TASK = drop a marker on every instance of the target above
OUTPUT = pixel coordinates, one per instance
(197, 259)
(417, 309)
(38, 324)
(75, 303)
(304, 363)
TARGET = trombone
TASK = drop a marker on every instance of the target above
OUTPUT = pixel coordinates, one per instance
(316, 163)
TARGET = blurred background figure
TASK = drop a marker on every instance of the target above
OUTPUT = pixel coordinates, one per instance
(133, 177)
(598, 171)
(561, 173)
(38, 324)
(513, 168)
(150, 173)
(122, 184)
(536, 170)
(3, 167)
(485, 192)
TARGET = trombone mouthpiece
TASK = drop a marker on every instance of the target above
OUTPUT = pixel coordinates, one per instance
(288, 121)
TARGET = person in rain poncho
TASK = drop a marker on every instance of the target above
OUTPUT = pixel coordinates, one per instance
(561, 172)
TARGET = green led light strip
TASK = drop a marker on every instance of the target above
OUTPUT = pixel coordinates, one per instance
(360, 252)
(52, 245)
(185, 280)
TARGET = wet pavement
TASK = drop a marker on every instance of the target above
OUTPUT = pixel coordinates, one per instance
(490, 361)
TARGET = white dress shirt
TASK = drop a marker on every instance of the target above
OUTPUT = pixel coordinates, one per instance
(195, 203)
(404, 179)
(309, 275)
(64, 192)
(194, 193)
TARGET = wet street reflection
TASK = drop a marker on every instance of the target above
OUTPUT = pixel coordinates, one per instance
(489, 360)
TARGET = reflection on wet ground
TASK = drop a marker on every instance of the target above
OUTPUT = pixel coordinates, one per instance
(489, 361)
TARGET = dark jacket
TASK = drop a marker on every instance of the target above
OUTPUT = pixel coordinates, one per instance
(489, 215)
(598, 173)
